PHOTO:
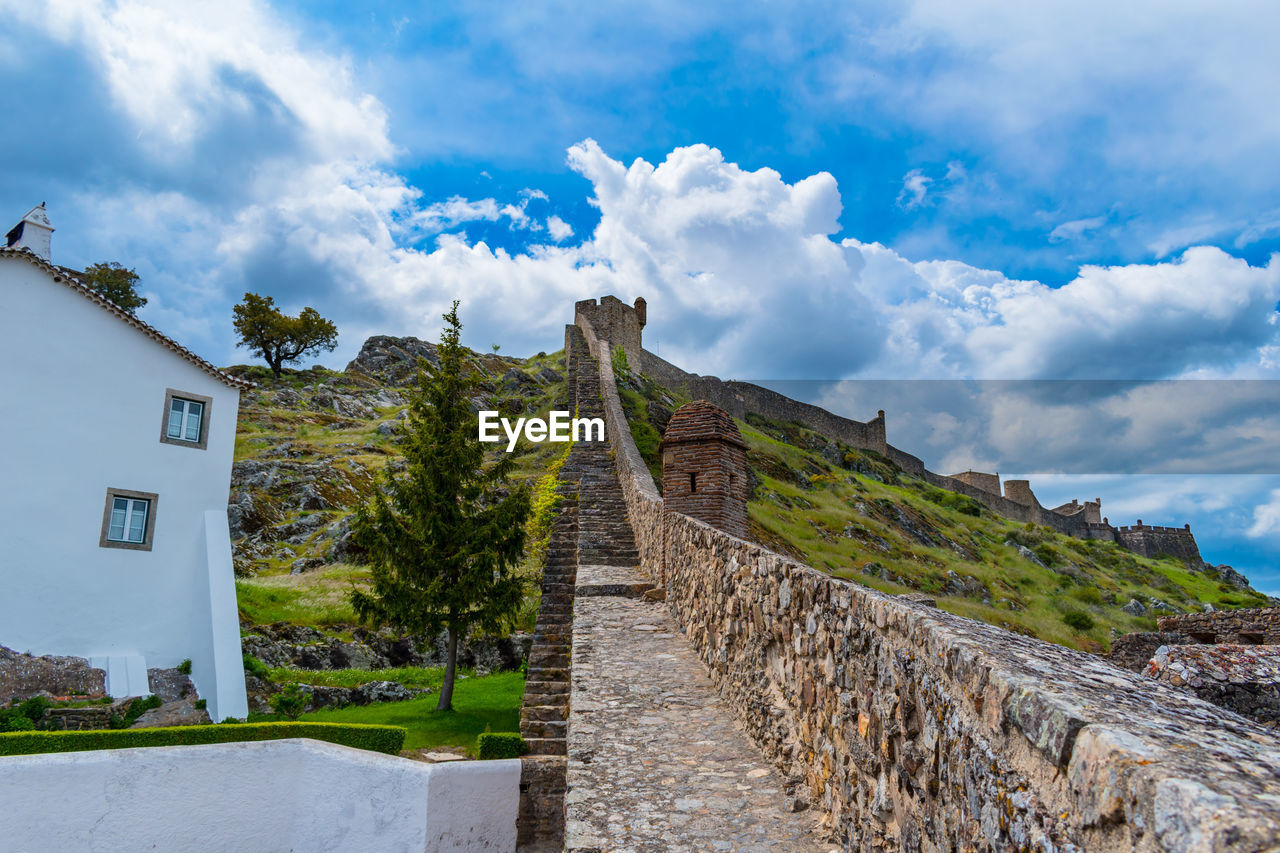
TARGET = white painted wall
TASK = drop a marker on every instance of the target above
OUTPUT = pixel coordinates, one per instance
(285, 795)
(83, 396)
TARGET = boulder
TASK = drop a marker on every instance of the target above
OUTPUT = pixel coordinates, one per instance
(23, 676)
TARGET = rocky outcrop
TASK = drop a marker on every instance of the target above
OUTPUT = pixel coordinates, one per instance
(393, 361)
(285, 645)
(24, 675)
(321, 696)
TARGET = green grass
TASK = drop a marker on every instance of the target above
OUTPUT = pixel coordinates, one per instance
(409, 676)
(318, 598)
(490, 703)
(842, 518)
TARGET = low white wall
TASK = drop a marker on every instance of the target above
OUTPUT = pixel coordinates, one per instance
(282, 795)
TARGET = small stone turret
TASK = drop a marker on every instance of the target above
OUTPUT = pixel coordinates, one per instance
(704, 467)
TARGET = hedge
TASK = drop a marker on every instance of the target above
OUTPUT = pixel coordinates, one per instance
(500, 745)
(388, 739)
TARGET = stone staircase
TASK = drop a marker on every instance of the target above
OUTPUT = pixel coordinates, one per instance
(591, 529)
(545, 710)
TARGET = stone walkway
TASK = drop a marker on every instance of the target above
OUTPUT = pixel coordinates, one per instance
(656, 762)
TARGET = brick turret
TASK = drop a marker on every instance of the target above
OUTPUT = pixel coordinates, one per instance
(704, 467)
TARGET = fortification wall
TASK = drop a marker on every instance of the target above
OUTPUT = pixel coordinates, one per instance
(989, 483)
(919, 730)
(1244, 679)
(739, 398)
(1150, 541)
(1258, 625)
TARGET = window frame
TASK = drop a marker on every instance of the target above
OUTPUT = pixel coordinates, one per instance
(207, 402)
(148, 534)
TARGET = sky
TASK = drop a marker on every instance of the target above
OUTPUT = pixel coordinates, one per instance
(802, 192)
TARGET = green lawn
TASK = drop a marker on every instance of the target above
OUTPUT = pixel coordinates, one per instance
(491, 702)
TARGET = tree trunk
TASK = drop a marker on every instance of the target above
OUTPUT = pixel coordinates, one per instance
(450, 668)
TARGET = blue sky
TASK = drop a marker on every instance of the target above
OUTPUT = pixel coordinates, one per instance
(801, 191)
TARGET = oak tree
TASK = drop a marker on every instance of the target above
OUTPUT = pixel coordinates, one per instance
(276, 337)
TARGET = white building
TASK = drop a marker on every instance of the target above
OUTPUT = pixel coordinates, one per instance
(116, 447)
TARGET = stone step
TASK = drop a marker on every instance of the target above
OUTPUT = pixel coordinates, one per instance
(544, 729)
(546, 746)
(546, 687)
(544, 713)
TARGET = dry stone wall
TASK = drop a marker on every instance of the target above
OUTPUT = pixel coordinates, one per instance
(919, 730)
(1254, 626)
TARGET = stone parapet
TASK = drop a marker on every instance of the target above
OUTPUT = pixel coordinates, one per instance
(1244, 679)
(1253, 626)
(919, 730)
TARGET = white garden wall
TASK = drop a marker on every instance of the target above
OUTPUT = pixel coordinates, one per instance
(284, 795)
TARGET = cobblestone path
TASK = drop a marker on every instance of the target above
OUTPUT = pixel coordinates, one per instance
(656, 762)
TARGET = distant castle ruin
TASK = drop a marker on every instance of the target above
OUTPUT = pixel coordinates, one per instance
(621, 325)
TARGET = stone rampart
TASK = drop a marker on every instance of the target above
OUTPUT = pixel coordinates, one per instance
(1244, 679)
(1152, 541)
(1134, 651)
(919, 730)
(1254, 626)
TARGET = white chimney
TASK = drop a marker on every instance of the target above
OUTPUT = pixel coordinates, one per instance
(32, 233)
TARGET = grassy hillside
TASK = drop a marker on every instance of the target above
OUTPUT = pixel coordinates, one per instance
(309, 448)
(855, 515)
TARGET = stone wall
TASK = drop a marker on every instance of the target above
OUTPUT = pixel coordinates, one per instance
(1254, 626)
(1244, 679)
(1150, 541)
(1134, 651)
(919, 730)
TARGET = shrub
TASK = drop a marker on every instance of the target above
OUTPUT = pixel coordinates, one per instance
(388, 739)
(136, 709)
(500, 745)
(201, 704)
(185, 667)
(256, 668)
(1088, 594)
(1079, 621)
(291, 701)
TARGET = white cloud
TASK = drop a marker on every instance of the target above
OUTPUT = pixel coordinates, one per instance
(915, 186)
(558, 228)
(1266, 518)
(1076, 228)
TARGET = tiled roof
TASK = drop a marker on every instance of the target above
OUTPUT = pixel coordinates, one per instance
(67, 278)
(699, 421)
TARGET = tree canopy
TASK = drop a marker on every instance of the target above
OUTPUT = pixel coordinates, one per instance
(445, 536)
(116, 283)
(276, 337)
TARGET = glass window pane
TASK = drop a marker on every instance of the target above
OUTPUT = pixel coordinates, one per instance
(138, 521)
(116, 530)
(194, 411)
(175, 420)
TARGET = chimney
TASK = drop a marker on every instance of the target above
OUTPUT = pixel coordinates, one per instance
(32, 233)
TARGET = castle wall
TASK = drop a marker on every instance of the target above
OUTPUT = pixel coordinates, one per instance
(989, 483)
(1152, 541)
(1243, 679)
(918, 730)
(1251, 626)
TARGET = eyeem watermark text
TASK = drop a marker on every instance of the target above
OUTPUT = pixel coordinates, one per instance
(561, 426)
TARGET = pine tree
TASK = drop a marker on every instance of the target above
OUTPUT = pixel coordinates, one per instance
(445, 536)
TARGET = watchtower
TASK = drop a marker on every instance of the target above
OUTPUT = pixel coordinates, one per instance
(704, 467)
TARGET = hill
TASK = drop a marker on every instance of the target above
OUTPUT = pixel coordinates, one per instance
(310, 444)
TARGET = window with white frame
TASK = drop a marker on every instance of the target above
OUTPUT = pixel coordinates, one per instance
(129, 519)
(186, 419)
